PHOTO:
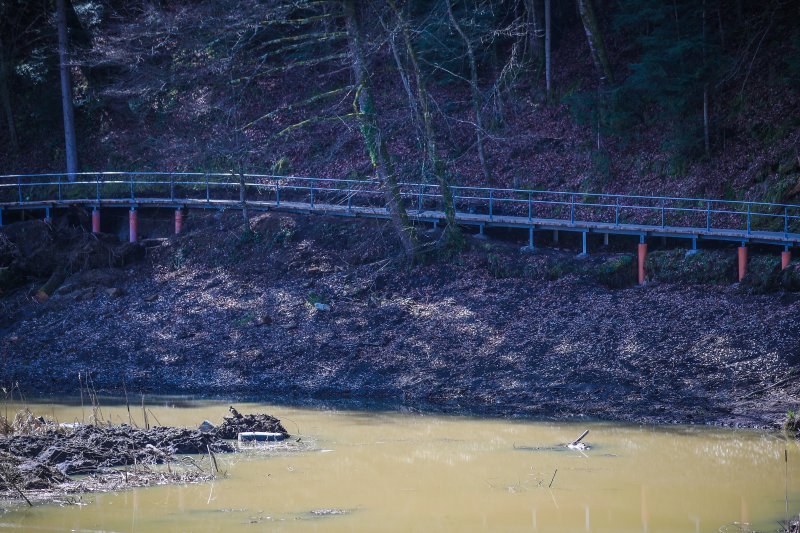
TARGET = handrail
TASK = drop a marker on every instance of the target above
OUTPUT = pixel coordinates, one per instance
(575, 208)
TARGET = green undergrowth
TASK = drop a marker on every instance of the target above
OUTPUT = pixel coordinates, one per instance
(703, 267)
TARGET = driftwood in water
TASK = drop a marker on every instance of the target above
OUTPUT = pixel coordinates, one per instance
(577, 444)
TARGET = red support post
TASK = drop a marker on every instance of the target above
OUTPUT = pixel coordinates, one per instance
(786, 259)
(133, 224)
(95, 220)
(642, 259)
(742, 262)
(178, 221)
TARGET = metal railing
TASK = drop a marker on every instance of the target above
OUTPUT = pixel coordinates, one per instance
(473, 204)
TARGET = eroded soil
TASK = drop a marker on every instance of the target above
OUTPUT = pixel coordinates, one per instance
(220, 311)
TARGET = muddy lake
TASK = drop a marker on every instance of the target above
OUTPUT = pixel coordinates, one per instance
(379, 471)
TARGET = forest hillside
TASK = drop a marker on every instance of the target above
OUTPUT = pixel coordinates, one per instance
(686, 97)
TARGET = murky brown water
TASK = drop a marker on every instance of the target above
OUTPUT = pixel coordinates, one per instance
(403, 472)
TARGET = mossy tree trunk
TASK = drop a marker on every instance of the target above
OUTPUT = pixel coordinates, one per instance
(597, 45)
(428, 133)
(370, 128)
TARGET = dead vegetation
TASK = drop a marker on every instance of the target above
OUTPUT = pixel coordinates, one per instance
(39, 458)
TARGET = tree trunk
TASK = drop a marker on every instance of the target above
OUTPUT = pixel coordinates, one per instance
(412, 102)
(371, 131)
(597, 45)
(5, 96)
(536, 36)
(547, 55)
(429, 137)
(477, 100)
(66, 91)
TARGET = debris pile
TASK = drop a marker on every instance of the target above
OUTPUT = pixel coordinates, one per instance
(238, 423)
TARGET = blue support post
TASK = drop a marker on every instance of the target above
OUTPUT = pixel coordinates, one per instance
(47, 218)
(312, 195)
(530, 238)
(491, 198)
(1, 218)
(585, 252)
(277, 195)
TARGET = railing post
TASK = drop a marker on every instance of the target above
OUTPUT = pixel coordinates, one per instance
(419, 200)
(208, 191)
(277, 194)
(663, 214)
(349, 198)
(491, 200)
(530, 209)
(616, 213)
(172, 187)
(97, 187)
(708, 215)
(19, 188)
(312, 194)
(786, 221)
(572, 209)
(748, 218)
(59, 187)
(133, 194)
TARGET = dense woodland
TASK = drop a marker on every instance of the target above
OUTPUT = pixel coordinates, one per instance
(673, 97)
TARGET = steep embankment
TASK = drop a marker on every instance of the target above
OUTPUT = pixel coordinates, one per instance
(490, 331)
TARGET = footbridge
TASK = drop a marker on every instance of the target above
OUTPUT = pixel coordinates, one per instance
(694, 219)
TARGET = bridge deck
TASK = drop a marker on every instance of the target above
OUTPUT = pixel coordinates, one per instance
(475, 219)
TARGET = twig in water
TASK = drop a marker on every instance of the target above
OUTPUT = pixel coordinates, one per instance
(11, 482)
(213, 460)
(127, 404)
(144, 415)
(553, 479)
(576, 441)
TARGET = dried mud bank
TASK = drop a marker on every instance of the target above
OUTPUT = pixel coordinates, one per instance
(306, 308)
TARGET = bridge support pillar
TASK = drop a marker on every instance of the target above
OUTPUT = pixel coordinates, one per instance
(555, 236)
(133, 225)
(178, 221)
(531, 247)
(642, 261)
(95, 220)
(47, 218)
(605, 239)
(786, 258)
(585, 247)
(742, 261)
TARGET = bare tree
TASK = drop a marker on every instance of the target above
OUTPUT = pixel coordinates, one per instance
(477, 97)
(371, 129)
(547, 55)
(5, 96)
(66, 90)
(422, 109)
